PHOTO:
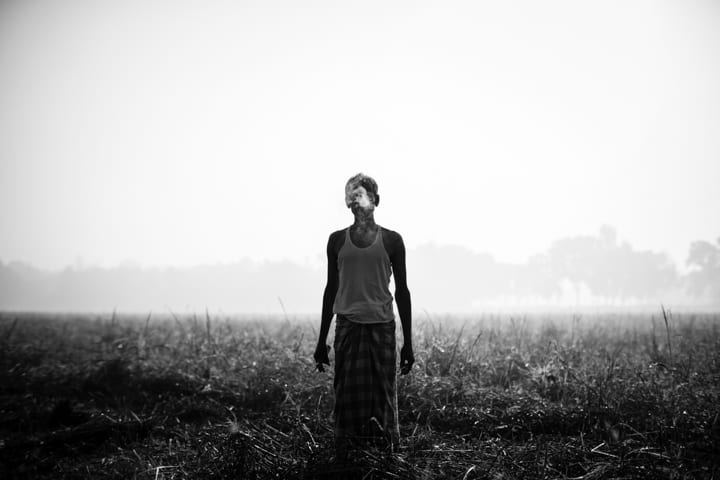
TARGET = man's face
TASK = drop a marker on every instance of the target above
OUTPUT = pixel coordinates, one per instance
(356, 197)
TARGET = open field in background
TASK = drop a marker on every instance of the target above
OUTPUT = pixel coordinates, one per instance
(497, 397)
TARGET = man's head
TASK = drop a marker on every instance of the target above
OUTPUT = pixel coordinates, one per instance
(362, 191)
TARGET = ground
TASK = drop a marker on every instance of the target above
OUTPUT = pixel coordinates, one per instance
(497, 397)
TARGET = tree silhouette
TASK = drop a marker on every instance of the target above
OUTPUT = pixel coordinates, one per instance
(704, 259)
(451, 277)
(536, 277)
(610, 269)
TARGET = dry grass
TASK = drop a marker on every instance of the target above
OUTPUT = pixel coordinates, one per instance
(491, 397)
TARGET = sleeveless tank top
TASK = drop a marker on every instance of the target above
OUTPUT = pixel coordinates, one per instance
(363, 294)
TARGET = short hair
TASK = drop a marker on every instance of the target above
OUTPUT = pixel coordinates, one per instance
(362, 180)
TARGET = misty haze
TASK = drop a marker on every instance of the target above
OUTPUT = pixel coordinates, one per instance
(579, 273)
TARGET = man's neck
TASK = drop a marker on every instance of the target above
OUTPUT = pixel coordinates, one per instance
(364, 221)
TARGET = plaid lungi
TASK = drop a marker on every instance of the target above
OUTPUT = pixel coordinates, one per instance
(365, 383)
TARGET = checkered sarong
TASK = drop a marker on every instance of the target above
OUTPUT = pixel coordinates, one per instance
(365, 383)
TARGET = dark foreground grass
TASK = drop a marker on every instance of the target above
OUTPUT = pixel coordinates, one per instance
(490, 397)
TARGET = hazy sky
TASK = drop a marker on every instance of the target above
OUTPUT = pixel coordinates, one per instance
(183, 133)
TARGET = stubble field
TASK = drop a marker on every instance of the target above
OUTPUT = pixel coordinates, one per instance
(493, 396)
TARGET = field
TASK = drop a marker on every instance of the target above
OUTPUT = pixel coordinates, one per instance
(492, 396)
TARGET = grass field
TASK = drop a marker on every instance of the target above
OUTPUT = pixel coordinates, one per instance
(497, 397)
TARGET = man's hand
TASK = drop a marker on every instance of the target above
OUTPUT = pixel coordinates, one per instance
(406, 359)
(321, 356)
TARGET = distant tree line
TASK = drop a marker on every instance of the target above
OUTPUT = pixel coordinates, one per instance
(441, 278)
(613, 271)
(239, 287)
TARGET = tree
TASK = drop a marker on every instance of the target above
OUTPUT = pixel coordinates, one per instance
(704, 260)
(610, 269)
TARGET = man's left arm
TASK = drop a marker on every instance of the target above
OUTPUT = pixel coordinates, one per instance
(402, 298)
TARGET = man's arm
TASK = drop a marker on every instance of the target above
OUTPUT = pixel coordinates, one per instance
(402, 298)
(331, 288)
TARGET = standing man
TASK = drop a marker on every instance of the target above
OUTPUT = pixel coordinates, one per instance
(361, 259)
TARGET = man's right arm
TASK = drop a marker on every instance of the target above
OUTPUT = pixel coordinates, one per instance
(331, 288)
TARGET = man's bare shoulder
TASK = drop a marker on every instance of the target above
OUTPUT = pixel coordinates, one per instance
(336, 240)
(391, 234)
(338, 233)
(392, 240)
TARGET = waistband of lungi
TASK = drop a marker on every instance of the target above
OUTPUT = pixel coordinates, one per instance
(343, 320)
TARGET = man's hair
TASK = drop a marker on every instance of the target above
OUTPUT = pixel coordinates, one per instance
(362, 180)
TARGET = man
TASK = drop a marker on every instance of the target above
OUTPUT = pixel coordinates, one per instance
(361, 259)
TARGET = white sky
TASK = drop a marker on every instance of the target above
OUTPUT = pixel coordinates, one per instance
(183, 133)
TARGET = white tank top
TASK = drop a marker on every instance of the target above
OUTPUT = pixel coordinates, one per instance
(363, 294)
